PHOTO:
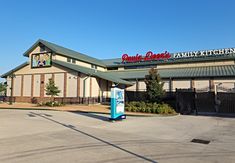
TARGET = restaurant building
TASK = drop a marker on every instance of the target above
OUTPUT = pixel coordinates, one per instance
(84, 79)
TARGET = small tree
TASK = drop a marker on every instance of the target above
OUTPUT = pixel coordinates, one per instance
(3, 89)
(154, 86)
(51, 89)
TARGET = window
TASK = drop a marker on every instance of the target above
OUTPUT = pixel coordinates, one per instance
(70, 60)
(73, 61)
(94, 66)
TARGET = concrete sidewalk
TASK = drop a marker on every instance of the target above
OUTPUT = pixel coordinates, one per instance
(98, 108)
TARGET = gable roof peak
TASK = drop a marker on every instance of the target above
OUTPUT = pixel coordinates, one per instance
(66, 52)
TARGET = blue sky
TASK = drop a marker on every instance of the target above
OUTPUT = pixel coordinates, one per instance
(109, 28)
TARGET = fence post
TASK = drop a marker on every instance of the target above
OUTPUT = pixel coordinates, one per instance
(176, 97)
(194, 101)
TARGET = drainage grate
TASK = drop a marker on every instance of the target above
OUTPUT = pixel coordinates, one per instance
(201, 141)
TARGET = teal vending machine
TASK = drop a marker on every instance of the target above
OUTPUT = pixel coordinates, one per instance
(117, 104)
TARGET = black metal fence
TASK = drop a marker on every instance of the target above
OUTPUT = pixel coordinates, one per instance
(187, 101)
(226, 102)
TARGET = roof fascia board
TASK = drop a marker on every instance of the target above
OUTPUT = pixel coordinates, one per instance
(26, 54)
(14, 70)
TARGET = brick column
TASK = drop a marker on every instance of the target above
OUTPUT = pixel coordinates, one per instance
(65, 84)
(78, 85)
(42, 85)
(32, 85)
(12, 86)
(90, 86)
(100, 91)
(22, 86)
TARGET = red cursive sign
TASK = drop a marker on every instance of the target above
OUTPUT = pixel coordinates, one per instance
(150, 56)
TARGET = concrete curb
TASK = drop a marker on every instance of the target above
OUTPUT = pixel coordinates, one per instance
(92, 112)
(128, 114)
(28, 109)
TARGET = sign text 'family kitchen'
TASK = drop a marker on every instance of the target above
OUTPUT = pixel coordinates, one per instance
(150, 56)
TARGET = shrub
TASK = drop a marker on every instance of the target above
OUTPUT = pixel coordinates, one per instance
(149, 108)
(34, 100)
(143, 110)
(134, 109)
(165, 109)
(128, 109)
(51, 104)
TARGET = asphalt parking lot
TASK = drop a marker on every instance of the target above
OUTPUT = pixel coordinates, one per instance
(28, 136)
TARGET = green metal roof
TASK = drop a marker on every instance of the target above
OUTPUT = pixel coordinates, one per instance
(78, 68)
(209, 71)
(14, 70)
(118, 61)
(122, 76)
(93, 72)
(112, 62)
(66, 52)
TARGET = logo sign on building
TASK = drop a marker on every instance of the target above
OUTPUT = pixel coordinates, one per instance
(117, 104)
(204, 53)
(41, 60)
(149, 56)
